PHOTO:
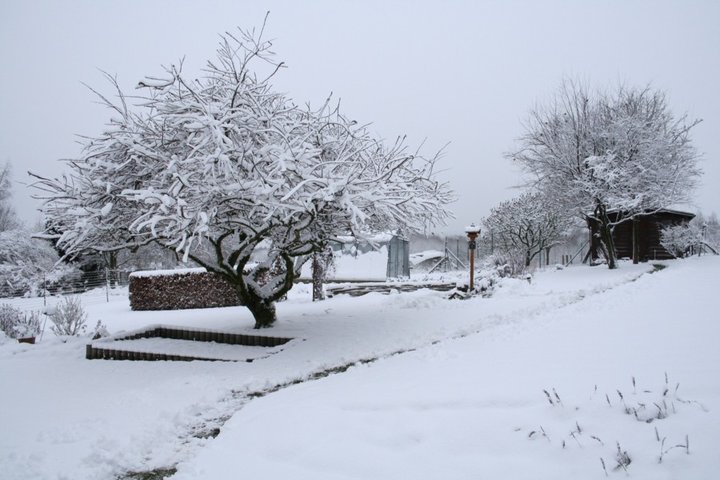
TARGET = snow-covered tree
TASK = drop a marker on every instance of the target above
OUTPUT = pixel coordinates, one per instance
(686, 238)
(711, 230)
(8, 218)
(215, 167)
(623, 152)
(27, 263)
(525, 226)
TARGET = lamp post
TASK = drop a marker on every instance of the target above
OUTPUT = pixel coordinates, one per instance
(472, 232)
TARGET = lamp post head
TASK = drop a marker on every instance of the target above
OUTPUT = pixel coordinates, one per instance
(472, 231)
(472, 228)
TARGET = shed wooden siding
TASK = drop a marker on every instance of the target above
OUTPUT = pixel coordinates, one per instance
(649, 227)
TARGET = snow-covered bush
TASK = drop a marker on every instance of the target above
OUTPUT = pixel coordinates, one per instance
(485, 282)
(679, 240)
(69, 317)
(9, 316)
(100, 331)
(16, 324)
(505, 264)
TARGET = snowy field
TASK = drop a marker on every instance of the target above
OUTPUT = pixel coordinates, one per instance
(434, 389)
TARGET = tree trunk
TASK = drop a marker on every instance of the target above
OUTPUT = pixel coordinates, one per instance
(592, 253)
(261, 307)
(636, 240)
(606, 238)
(262, 310)
(318, 276)
(111, 262)
(606, 244)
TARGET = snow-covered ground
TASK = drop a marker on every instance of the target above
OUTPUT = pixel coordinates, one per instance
(457, 390)
(368, 266)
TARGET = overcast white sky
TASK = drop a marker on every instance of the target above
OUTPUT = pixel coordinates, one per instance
(459, 72)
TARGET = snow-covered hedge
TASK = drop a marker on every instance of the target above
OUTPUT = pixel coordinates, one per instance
(180, 289)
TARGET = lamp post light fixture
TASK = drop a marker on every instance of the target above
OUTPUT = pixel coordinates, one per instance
(472, 232)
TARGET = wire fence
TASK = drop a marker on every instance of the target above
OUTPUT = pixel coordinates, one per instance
(103, 283)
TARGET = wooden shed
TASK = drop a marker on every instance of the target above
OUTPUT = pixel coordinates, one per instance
(644, 230)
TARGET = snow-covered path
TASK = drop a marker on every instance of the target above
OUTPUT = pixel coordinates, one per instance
(71, 418)
(475, 408)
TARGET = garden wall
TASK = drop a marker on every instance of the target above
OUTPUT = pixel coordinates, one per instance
(180, 289)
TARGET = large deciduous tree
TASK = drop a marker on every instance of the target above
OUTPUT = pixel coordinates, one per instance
(216, 167)
(622, 152)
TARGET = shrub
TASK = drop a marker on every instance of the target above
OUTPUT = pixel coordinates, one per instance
(17, 324)
(678, 240)
(100, 331)
(506, 264)
(8, 318)
(69, 317)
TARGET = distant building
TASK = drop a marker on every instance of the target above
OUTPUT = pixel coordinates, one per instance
(644, 230)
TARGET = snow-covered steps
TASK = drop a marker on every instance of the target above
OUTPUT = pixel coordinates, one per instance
(175, 350)
(161, 342)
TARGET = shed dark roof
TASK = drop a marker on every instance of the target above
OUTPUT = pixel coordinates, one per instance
(670, 211)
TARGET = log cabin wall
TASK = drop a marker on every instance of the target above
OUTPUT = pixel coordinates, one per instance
(648, 230)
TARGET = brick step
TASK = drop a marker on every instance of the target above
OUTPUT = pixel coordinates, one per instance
(112, 349)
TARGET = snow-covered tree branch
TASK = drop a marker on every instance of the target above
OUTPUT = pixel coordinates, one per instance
(216, 167)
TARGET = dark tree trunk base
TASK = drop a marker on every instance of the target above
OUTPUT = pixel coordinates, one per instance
(606, 238)
(263, 312)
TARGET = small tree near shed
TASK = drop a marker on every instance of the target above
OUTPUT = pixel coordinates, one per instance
(525, 226)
